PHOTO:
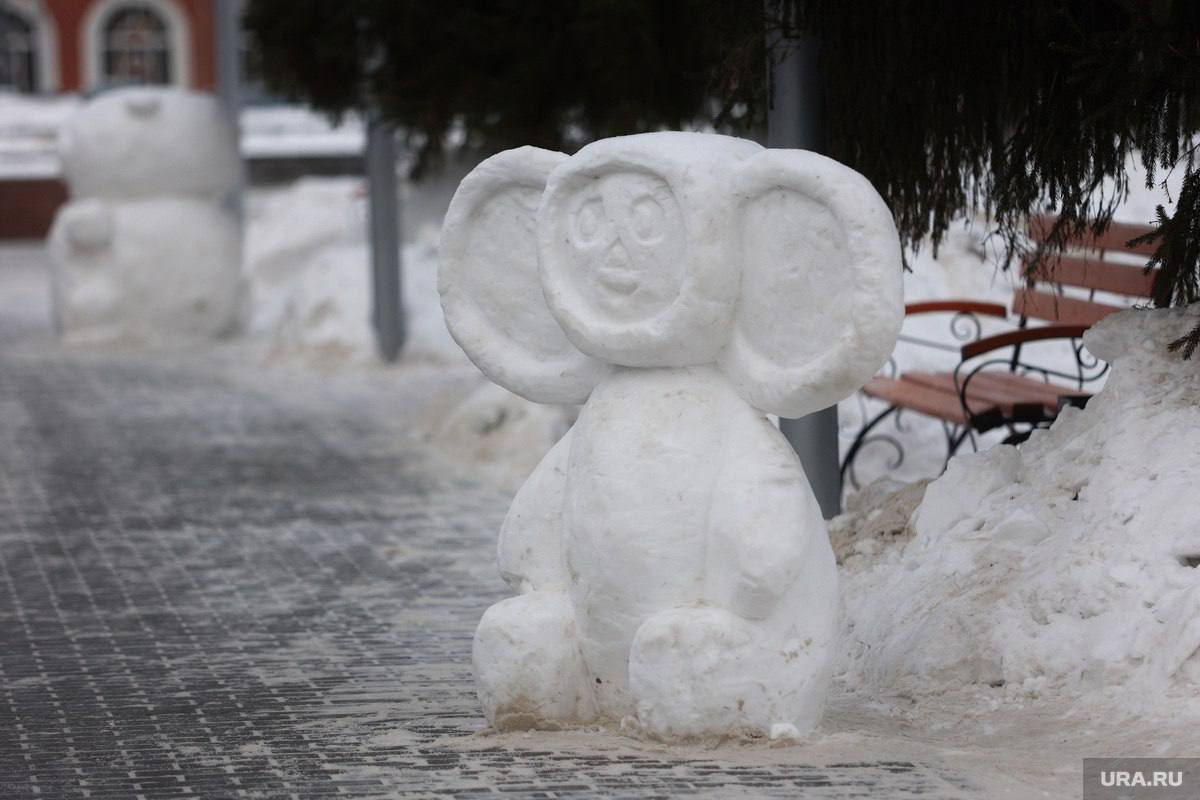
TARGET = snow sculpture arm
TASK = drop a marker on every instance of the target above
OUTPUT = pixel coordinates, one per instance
(88, 225)
(761, 521)
(530, 550)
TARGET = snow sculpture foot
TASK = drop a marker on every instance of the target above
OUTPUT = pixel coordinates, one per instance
(699, 670)
(527, 663)
(687, 672)
(670, 557)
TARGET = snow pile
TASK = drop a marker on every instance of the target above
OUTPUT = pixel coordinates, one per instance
(29, 126)
(1066, 569)
(500, 435)
(877, 516)
(309, 265)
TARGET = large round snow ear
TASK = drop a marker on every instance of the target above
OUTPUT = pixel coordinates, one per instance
(490, 287)
(821, 300)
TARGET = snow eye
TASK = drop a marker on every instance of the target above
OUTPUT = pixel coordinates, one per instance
(646, 216)
(589, 218)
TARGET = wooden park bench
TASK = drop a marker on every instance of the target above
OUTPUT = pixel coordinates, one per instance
(995, 384)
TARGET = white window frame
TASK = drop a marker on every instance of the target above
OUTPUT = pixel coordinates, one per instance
(96, 22)
(45, 34)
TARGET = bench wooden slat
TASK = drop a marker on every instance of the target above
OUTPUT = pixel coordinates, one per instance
(935, 394)
(1027, 389)
(978, 397)
(984, 393)
(1105, 276)
(1056, 308)
(1114, 238)
(907, 394)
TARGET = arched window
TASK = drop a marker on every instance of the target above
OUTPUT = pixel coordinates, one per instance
(18, 53)
(137, 48)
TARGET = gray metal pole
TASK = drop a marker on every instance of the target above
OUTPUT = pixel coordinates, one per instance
(229, 52)
(387, 308)
(794, 121)
(228, 58)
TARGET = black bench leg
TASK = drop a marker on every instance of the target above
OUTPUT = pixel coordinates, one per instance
(956, 442)
(860, 440)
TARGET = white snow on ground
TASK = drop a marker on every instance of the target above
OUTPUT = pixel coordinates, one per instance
(1062, 570)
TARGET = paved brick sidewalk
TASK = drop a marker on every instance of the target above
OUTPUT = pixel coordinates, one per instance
(214, 585)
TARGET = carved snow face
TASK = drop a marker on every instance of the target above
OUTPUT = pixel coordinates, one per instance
(629, 241)
(638, 247)
(673, 249)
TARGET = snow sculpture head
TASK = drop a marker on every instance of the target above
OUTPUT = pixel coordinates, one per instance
(670, 250)
(671, 561)
(148, 141)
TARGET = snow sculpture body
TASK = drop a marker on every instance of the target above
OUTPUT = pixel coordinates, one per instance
(148, 249)
(671, 561)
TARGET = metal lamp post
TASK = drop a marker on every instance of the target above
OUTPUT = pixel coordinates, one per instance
(794, 121)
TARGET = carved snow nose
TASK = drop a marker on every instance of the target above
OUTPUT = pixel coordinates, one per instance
(617, 270)
(617, 256)
(142, 106)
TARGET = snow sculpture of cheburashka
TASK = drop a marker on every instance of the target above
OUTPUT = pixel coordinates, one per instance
(148, 249)
(672, 564)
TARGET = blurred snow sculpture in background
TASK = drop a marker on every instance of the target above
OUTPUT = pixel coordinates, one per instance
(673, 569)
(148, 249)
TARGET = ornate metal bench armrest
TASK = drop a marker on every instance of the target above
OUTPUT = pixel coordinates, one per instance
(1002, 340)
(964, 325)
(958, 306)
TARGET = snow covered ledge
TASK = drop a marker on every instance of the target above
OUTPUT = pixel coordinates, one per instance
(1065, 570)
(672, 568)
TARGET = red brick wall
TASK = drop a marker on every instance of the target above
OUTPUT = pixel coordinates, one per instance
(29, 207)
(68, 18)
(204, 71)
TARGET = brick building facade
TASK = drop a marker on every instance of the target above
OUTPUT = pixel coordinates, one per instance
(49, 46)
(86, 46)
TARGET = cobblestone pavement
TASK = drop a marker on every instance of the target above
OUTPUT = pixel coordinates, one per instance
(219, 581)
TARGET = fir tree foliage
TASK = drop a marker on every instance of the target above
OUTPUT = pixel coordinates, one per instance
(493, 74)
(948, 107)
